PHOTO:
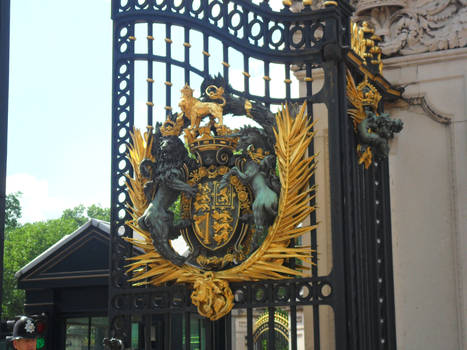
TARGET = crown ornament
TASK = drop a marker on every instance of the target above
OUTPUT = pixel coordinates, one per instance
(370, 94)
(172, 128)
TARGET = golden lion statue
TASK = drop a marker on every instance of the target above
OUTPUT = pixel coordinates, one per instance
(196, 110)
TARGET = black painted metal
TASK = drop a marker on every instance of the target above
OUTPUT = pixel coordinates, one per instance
(361, 278)
(4, 74)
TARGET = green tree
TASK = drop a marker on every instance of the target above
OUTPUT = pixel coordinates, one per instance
(12, 210)
(25, 242)
(76, 214)
(97, 212)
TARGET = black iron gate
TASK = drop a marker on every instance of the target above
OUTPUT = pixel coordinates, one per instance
(161, 44)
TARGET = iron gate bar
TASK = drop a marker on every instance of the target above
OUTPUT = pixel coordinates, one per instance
(4, 86)
(249, 318)
(271, 328)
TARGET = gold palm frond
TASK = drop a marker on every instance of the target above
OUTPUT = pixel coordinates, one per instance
(138, 150)
(293, 136)
(355, 97)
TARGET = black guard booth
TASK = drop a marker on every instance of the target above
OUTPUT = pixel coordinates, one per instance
(69, 283)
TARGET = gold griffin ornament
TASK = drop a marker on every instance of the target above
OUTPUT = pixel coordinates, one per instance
(211, 291)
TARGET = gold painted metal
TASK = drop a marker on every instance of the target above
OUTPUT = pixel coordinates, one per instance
(225, 64)
(168, 83)
(246, 74)
(308, 79)
(287, 81)
(150, 37)
(330, 3)
(365, 44)
(168, 108)
(307, 2)
(171, 128)
(196, 110)
(248, 106)
(149, 103)
(150, 80)
(187, 44)
(221, 215)
(267, 77)
(366, 158)
(257, 155)
(360, 96)
(279, 318)
(205, 53)
(132, 38)
(287, 2)
(168, 40)
(214, 260)
(370, 75)
(212, 294)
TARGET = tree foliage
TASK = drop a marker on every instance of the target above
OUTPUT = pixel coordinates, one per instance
(25, 242)
(12, 210)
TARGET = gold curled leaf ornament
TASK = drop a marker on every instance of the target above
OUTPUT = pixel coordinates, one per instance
(211, 291)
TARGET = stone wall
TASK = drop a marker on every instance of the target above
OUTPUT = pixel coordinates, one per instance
(428, 172)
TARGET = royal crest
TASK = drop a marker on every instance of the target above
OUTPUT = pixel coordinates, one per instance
(227, 192)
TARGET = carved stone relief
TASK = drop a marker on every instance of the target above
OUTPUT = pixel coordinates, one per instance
(415, 26)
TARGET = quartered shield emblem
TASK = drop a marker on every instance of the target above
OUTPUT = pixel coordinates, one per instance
(219, 213)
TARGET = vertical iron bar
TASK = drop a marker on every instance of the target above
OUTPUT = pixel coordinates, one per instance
(225, 56)
(361, 222)
(246, 69)
(267, 81)
(147, 322)
(388, 264)
(186, 64)
(118, 248)
(228, 331)
(205, 55)
(371, 254)
(208, 325)
(168, 69)
(271, 330)
(4, 73)
(168, 331)
(287, 78)
(313, 238)
(187, 330)
(336, 111)
(293, 322)
(150, 77)
(348, 230)
(89, 333)
(249, 328)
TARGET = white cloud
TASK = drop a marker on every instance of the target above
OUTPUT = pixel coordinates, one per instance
(36, 202)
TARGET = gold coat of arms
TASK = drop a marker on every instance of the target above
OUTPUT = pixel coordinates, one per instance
(238, 197)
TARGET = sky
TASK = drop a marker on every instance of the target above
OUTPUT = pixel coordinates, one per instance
(59, 105)
(59, 131)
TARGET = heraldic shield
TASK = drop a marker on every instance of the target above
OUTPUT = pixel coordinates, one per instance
(238, 197)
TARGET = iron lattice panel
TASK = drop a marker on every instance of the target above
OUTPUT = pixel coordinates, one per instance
(362, 273)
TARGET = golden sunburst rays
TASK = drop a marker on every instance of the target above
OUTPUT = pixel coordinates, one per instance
(293, 137)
